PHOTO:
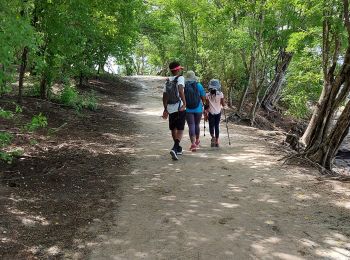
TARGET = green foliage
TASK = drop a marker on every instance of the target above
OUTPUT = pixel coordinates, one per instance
(6, 114)
(71, 97)
(18, 109)
(33, 90)
(304, 84)
(37, 122)
(16, 33)
(64, 38)
(89, 101)
(33, 142)
(5, 139)
(8, 156)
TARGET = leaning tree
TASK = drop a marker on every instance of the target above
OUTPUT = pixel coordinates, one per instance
(322, 138)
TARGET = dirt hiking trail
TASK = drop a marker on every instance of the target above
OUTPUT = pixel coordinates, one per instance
(236, 202)
(104, 187)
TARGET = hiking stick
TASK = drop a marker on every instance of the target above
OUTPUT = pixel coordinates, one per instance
(228, 135)
(204, 126)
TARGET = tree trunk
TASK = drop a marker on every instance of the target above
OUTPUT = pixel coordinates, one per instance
(246, 88)
(101, 68)
(21, 74)
(3, 83)
(254, 108)
(81, 79)
(316, 115)
(230, 92)
(326, 152)
(331, 97)
(258, 84)
(43, 90)
(272, 93)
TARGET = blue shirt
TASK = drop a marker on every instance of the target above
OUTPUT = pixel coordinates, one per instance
(198, 109)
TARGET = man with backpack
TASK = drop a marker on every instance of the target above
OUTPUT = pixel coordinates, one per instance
(195, 99)
(174, 103)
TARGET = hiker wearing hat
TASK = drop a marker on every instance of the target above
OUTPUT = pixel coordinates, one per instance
(195, 98)
(174, 103)
(215, 99)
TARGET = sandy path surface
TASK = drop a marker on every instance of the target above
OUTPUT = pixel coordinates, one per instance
(236, 202)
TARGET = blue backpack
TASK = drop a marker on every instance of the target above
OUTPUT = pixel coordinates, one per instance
(192, 95)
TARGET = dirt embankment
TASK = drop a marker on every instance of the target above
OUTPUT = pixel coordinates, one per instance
(69, 176)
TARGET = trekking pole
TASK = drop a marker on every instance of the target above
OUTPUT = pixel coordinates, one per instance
(204, 126)
(228, 135)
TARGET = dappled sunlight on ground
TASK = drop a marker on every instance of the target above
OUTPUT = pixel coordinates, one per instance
(235, 202)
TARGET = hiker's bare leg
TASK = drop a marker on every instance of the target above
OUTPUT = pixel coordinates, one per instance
(174, 134)
(177, 134)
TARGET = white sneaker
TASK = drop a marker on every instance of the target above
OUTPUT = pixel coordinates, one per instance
(174, 155)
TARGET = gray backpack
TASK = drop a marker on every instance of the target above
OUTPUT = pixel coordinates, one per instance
(172, 91)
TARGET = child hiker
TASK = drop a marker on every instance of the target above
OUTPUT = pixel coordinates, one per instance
(195, 98)
(175, 106)
(215, 101)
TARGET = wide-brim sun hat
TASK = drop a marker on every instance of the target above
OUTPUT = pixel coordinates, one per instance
(190, 76)
(214, 84)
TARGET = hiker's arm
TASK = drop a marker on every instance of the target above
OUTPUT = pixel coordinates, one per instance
(165, 101)
(165, 104)
(182, 96)
(204, 100)
(223, 102)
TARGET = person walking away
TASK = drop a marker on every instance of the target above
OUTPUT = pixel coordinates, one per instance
(215, 99)
(174, 103)
(195, 99)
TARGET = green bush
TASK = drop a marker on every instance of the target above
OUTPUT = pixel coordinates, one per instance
(33, 91)
(89, 101)
(69, 96)
(38, 121)
(5, 139)
(6, 114)
(8, 156)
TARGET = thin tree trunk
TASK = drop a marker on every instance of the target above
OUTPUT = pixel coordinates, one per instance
(258, 85)
(272, 93)
(3, 83)
(81, 79)
(21, 74)
(230, 92)
(246, 88)
(254, 108)
(43, 90)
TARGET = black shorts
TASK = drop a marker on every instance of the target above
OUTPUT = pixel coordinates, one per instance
(177, 120)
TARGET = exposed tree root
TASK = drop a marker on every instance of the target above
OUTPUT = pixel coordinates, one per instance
(301, 158)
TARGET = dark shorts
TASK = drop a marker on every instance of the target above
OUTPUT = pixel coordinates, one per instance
(177, 120)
